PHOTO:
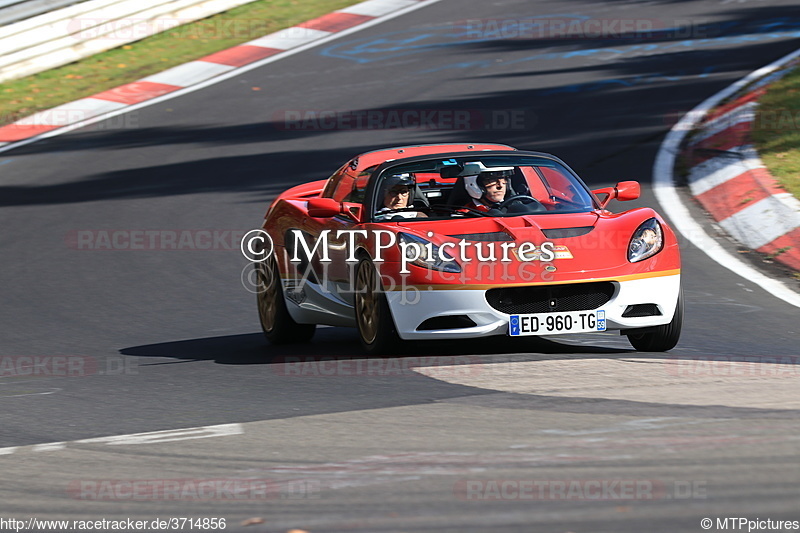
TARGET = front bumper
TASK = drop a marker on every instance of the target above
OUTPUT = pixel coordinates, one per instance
(415, 306)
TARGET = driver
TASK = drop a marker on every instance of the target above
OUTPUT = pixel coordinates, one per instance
(489, 188)
(396, 193)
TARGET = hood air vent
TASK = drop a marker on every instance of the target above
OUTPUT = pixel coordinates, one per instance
(496, 236)
(563, 233)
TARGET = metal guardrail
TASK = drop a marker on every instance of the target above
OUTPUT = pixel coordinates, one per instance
(12, 11)
(68, 34)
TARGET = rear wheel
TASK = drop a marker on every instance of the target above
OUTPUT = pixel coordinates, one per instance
(376, 327)
(660, 338)
(278, 325)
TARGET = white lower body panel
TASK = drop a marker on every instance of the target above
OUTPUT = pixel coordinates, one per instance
(411, 307)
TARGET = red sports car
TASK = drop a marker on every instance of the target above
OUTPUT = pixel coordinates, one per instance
(459, 241)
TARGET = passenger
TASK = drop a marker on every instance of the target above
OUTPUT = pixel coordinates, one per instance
(397, 193)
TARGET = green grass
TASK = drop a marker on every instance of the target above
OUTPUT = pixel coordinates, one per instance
(776, 131)
(25, 96)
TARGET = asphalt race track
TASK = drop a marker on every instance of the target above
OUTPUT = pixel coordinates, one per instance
(164, 339)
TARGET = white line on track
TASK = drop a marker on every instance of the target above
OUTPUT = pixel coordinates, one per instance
(671, 204)
(152, 437)
(49, 447)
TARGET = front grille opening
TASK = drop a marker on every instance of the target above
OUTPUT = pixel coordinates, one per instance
(447, 322)
(550, 298)
(640, 310)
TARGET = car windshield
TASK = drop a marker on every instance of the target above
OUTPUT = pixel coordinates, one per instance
(474, 186)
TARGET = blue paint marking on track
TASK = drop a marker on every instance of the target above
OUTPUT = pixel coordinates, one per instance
(403, 43)
(686, 45)
(400, 43)
(6, 161)
(638, 80)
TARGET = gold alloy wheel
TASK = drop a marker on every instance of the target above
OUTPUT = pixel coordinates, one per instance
(267, 295)
(366, 300)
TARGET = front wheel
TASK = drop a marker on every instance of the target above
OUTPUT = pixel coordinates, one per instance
(278, 325)
(374, 319)
(660, 338)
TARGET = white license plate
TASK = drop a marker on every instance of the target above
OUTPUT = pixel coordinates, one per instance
(556, 323)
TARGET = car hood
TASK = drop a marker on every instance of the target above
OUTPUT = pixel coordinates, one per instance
(525, 228)
(594, 242)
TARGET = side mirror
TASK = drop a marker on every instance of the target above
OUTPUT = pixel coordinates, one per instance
(628, 190)
(323, 207)
(622, 191)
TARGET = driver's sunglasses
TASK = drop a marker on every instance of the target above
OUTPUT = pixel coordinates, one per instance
(491, 182)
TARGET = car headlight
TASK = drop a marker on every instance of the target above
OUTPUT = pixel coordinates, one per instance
(647, 241)
(425, 254)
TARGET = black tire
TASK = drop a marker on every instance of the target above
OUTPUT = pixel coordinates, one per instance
(278, 325)
(376, 328)
(661, 338)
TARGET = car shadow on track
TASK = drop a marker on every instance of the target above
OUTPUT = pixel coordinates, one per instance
(425, 367)
(342, 344)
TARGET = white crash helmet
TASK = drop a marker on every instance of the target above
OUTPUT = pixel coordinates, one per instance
(477, 170)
